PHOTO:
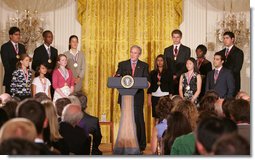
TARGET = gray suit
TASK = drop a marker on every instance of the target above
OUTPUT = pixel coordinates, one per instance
(77, 71)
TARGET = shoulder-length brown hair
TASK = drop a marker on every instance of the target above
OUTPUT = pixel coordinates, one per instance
(22, 57)
(164, 63)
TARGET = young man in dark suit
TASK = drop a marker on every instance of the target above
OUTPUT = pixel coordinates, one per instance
(10, 53)
(136, 68)
(46, 54)
(220, 79)
(234, 58)
(176, 56)
(204, 66)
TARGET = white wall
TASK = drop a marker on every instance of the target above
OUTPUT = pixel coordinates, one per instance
(198, 27)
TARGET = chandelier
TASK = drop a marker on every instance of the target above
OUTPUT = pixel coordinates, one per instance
(31, 28)
(236, 23)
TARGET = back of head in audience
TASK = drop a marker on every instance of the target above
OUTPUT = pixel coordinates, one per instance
(34, 111)
(164, 107)
(72, 114)
(177, 125)
(176, 99)
(3, 117)
(18, 146)
(41, 96)
(225, 106)
(74, 100)
(231, 144)
(207, 103)
(51, 115)
(239, 111)
(212, 93)
(60, 104)
(243, 95)
(5, 97)
(189, 110)
(208, 131)
(10, 108)
(83, 99)
(18, 128)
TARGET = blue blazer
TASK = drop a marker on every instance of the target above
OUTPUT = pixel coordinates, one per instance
(225, 84)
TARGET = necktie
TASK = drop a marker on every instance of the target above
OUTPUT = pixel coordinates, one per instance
(227, 52)
(16, 48)
(176, 50)
(216, 74)
(48, 50)
(133, 68)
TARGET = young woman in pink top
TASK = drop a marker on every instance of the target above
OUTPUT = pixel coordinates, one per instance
(62, 79)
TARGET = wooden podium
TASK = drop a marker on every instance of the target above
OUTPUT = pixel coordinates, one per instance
(126, 142)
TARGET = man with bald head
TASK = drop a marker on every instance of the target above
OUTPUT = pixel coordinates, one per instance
(74, 136)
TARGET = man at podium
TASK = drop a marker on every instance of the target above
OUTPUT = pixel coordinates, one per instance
(136, 68)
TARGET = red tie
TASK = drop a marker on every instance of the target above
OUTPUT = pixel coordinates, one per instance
(16, 48)
(216, 74)
(133, 69)
(175, 51)
(227, 52)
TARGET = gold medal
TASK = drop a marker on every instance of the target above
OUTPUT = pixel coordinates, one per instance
(188, 87)
(158, 83)
(175, 58)
(49, 61)
(17, 56)
(75, 65)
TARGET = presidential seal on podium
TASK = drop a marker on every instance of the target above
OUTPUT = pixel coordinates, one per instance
(127, 81)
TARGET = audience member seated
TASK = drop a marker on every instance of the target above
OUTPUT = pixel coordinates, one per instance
(208, 132)
(231, 144)
(225, 106)
(243, 95)
(163, 109)
(10, 108)
(74, 136)
(185, 144)
(5, 97)
(189, 110)
(3, 117)
(51, 134)
(34, 111)
(177, 125)
(41, 96)
(176, 99)
(74, 100)
(60, 104)
(18, 146)
(91, 123)
(239, 111)
(18, 128)
(207, 103)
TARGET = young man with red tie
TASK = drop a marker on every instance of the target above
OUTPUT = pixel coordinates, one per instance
(10, 54)
(234, 58)
(176, 56)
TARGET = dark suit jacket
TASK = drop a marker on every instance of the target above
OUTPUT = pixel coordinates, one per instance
(75, 139)
(41, 56)
(92, 123)
(178, 67)
(225, 84)
(204, 69)
(9, 60)
(141, 70)
(166, 81)
(234, 62)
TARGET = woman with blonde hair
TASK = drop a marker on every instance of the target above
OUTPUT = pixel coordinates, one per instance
(51, 134)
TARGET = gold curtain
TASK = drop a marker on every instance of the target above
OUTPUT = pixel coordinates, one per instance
(109, 29)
